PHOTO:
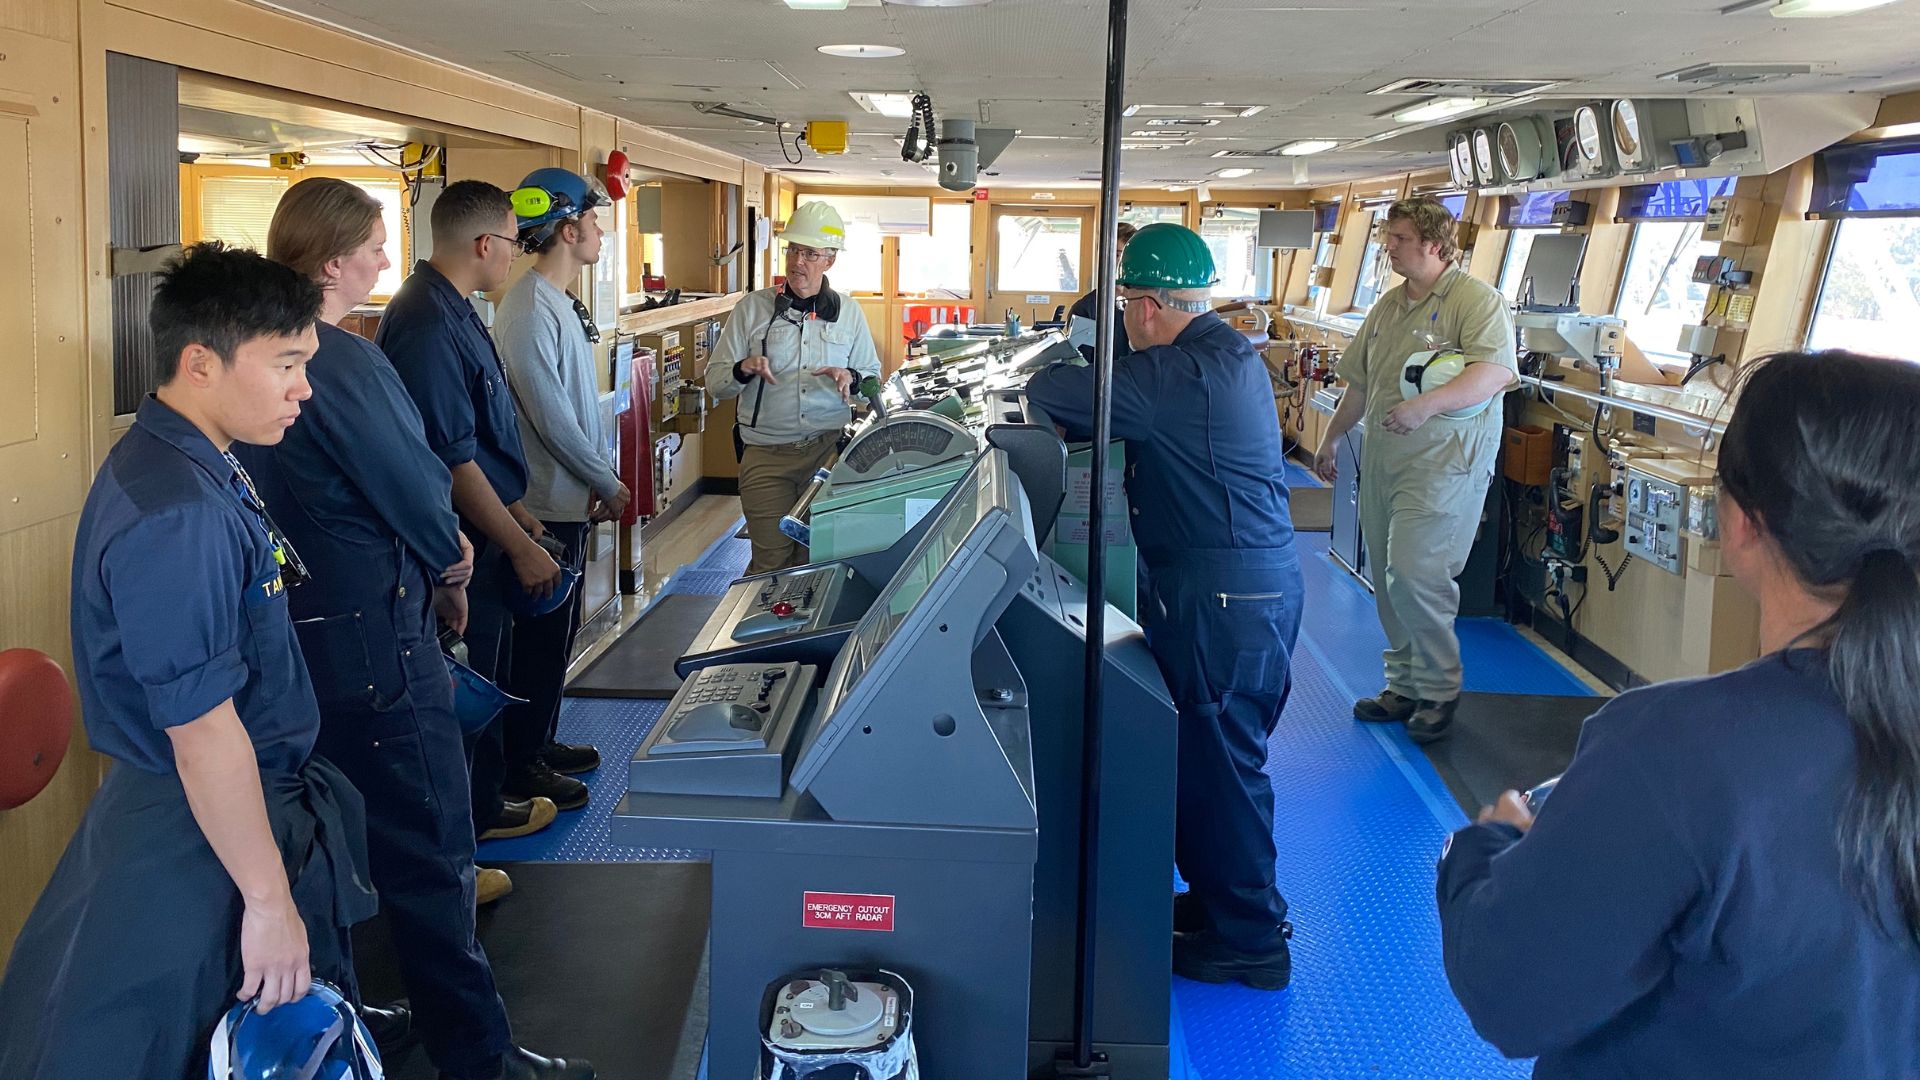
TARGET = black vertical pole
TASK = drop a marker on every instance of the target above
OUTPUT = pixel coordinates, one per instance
(1086, 1062)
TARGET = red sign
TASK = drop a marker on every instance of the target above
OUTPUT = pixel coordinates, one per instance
(979, 194)
(846, 911)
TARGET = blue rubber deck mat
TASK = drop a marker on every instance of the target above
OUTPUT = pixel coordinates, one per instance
(1298, 477)
(1341, 613)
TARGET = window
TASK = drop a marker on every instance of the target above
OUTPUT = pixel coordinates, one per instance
(1658, 295)
(1374, 270)
(1244, 268)
(1141, 215)
(1037, 253)
(1673, 200)
(857, 268)
(1870, 300)
(236, 210)
(940, 264)
(1519, 244)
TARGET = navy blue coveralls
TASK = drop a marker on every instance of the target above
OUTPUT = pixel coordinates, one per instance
(1221, 608)
(369, 507)
(446, 358)
(1681, 906)
(132, 953)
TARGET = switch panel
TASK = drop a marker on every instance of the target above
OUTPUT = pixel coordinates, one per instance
(1656, 510)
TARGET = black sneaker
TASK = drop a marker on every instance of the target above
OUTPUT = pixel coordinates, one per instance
(1388, 708)
(390, 1025)
(1431, 720)
(538, 779)
(1189, 914)
(570, 758)
(1204, 957)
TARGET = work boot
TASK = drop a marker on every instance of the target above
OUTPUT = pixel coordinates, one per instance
(490, 885)
(1431, 720)
(390, 1025)
(1204, 957)
(569, 758)
(538, 780)
(1189, 914)
(524, 1064)
(1388, 708)
(521, 817)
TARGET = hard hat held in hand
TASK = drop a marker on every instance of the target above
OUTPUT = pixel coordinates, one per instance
(816, 225)
(1167, 256)
(1433, 369)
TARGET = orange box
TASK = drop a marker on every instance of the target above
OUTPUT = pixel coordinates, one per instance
(1527, 455)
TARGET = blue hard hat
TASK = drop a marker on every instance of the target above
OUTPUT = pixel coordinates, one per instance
(523, 603)
(476, 698)
(548, 197)
(318, 1037)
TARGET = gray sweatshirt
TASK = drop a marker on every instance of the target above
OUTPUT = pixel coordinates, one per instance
(550, 366)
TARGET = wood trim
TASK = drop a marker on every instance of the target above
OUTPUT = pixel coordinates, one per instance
(649, 322)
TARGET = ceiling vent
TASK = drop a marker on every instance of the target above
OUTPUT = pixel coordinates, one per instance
(1270, 152)
(1737, 74)
(1469, 88)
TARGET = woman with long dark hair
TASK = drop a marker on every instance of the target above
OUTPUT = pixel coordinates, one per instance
(1726, 882)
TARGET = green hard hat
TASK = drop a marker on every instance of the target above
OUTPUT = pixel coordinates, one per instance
(1167, 256)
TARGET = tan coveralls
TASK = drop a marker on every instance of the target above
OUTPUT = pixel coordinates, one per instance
(1421, 494)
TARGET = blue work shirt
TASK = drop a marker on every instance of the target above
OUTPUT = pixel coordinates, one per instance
(446, 358)
(178, 603)
(369, 507)
(1206, 473)
(1680, 907)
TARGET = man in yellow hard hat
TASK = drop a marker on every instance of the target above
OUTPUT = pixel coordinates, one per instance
(792, 355)
(1428, 455)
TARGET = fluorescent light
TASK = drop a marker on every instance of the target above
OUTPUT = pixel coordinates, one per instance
(1308, 146)
(1822, 9)
(897, 106)
(1440, 109)
(863, 52)
(817, 5)
(1232, 174)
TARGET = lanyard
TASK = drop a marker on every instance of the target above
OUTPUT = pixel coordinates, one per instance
(292, 570)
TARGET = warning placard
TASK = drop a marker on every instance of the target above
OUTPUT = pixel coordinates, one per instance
(847, 911)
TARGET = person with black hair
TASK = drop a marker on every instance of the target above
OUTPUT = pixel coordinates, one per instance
(1088, 306)
(446, 357)
(1726, 881)
(219, 860)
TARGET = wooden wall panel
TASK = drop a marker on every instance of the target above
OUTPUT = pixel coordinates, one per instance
(56, 19)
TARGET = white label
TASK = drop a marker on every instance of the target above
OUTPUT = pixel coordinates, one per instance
(917, 509)
(1038, 298)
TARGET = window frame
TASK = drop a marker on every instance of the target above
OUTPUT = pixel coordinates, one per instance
(399, 248)
(1373, 258)
(1269, 256)
(1663, 357)
(896, 291)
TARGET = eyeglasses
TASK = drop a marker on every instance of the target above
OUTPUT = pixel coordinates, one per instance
(1126, 300)
(806, 254)
(513, 243)
(586, 320)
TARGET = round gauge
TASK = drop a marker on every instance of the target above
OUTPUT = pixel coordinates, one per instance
(1586, 129)
(1483, 156)
(1519, 146)
(1626, 129)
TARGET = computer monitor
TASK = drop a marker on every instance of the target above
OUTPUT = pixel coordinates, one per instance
(1550, 281)
(985, 518)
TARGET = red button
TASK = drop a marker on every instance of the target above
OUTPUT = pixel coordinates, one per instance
(782, 609)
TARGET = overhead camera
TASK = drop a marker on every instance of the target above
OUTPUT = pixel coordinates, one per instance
(964, 150)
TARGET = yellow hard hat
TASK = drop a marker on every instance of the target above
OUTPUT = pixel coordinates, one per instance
(816, 225)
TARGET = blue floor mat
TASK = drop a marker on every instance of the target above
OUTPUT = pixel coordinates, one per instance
(729, 553)
(701, 582)
(1357, 839)
(1341, 614)
(1298, 477)
(616, 726)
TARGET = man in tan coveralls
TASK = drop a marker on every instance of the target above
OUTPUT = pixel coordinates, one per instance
(1427, 460)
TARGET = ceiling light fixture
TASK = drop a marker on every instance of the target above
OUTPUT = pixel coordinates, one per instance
(817, 5)
(895, 105)
(1822, 9)
(1440, 109)
(863, 52)
(1232, 174)
(1215, 109)
(1308, 146)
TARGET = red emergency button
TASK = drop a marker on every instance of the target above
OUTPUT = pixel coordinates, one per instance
(782, 609)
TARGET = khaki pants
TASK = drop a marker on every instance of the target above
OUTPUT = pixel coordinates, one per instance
(771, 480)
(1421, 499)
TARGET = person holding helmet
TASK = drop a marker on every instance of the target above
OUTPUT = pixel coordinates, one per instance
(1221, 603)
(792, 355)
(1429, 360)
(547, 337)
(446, 357)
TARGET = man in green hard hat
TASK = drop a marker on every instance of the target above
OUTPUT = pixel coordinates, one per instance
(1221, 607)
